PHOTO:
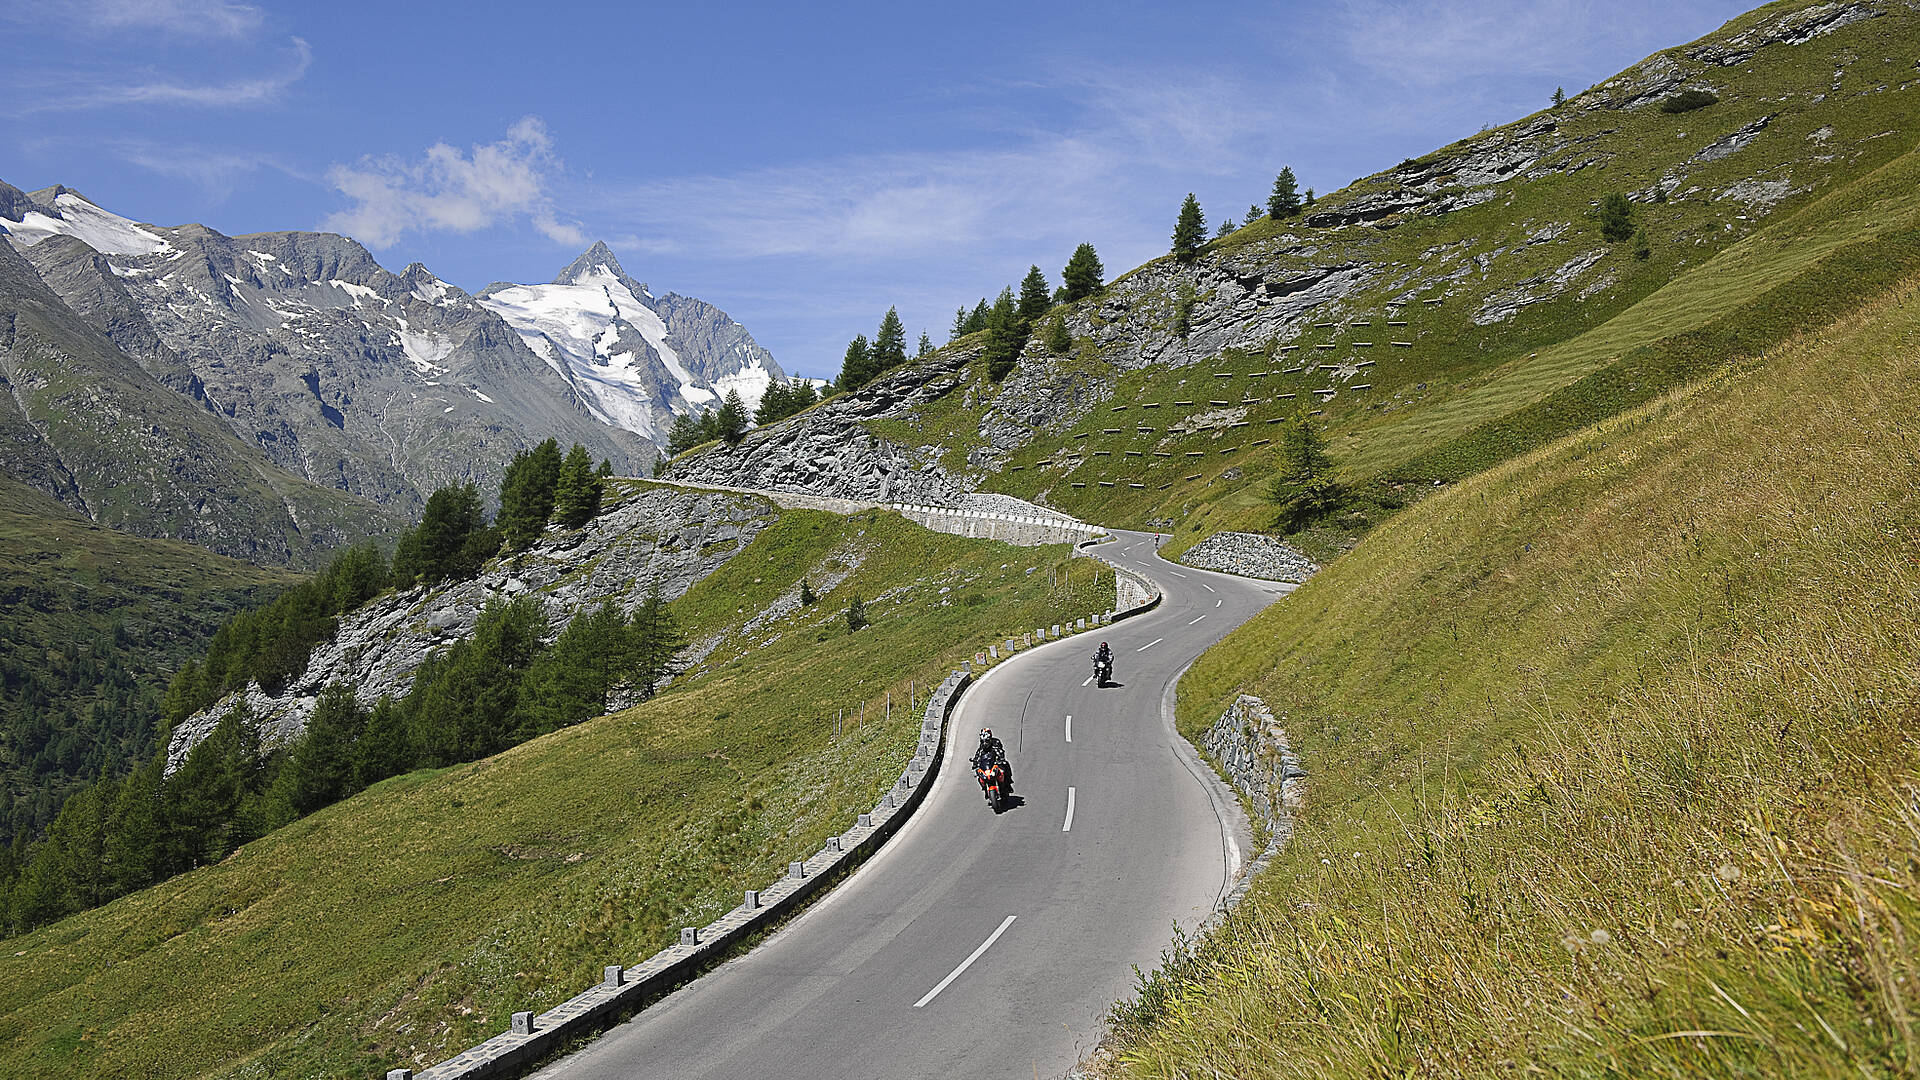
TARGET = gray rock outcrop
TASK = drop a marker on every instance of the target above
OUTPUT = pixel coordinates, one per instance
(658, 538)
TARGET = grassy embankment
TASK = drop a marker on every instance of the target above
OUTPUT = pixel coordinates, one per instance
(406, 922)
(1613, 752)
(1722, 278)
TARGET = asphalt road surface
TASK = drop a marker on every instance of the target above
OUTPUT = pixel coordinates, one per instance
(984, 945)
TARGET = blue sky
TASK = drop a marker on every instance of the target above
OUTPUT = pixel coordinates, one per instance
(802, 166)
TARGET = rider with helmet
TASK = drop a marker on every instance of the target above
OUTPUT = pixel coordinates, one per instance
(991, 752)
(1103, 663)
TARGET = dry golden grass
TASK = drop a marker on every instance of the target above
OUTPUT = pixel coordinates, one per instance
(1615, 768)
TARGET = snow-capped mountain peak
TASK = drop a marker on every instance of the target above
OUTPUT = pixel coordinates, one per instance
(61, 211)
(637, 359)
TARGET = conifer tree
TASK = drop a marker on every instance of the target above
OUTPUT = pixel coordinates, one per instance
(926, 347)
(1083, 273)
(959, 324)
(1058, 341)
(1226, 228)
(656, 639)
(1616, 218)
(1559, 96)
(1285, 200)
(577, 496)
(977, 318)
(1035, 296)
(1302, 489)
(1190, 231)
(890, 344)
(1006, 336)
(856, 367)
(526, 494)
(385, 747)
(732, 420)
(684, 435)
(856, 613)
(1254, 213)
(1308, 200)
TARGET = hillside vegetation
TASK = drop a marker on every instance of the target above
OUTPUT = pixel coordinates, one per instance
(92, 623)
(1613, 756)
(406, 922)
(1469, 305)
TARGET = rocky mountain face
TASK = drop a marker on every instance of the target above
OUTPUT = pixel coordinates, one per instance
(636, 360)
(380, 384)
(656, 538)
(121, 439)
(1458, 249)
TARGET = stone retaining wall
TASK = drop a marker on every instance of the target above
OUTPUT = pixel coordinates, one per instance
(1251, 749)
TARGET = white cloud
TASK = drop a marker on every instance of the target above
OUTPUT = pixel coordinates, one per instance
(454, 191)
(48, 92)
(175, 18)
(186, 18)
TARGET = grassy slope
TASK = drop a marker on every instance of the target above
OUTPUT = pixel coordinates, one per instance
(101, 619)
(1434, 411)
(406, 922)
(1609, 745)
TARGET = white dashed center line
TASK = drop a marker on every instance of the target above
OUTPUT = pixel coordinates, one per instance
(1067, 826)
(967, 963)
(1207, 587)
(1150, 644)
(1069, 727)
(1196, 620)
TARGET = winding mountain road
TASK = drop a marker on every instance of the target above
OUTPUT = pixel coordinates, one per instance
(985, 945)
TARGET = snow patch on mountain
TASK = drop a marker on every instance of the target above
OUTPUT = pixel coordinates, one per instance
(104, 232)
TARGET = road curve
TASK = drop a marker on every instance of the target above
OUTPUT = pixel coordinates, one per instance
(991, 945)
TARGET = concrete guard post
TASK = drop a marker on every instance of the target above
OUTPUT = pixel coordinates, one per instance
(530, 1038)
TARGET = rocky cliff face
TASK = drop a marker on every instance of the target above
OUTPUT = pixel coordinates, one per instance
(657, 538)
(380, 384)
(828, 450)
(121, 439)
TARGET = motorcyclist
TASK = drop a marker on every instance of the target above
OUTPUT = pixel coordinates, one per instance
(989, 753)
(1103, 660)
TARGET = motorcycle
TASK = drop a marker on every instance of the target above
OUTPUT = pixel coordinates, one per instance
(1102, 670)
(994, 784)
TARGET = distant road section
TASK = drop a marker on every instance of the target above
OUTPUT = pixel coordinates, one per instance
(983, 945)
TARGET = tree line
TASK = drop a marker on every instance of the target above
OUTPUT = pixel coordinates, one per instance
(1283, 202)
(498, 688)
(491, 691)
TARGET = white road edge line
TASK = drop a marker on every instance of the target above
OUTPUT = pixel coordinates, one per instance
(1067, 826)
(1150, 644)
(968, 962)
(1069, 727)
(1196, 620)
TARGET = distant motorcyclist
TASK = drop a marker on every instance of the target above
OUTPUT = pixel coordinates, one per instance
(989, 753)
(1105, 655)
(1103, 664)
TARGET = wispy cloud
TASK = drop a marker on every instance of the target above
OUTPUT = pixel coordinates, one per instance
(218, 173)
(38, 92)
(454, 191)
(183, 18)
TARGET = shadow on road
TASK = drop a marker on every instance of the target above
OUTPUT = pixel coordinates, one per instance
(1011, 802)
